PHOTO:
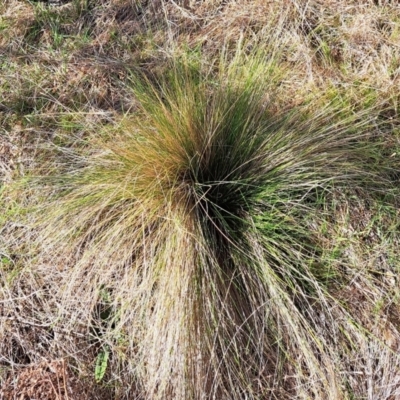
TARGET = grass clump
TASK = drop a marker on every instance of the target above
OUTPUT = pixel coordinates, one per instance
(200, 215)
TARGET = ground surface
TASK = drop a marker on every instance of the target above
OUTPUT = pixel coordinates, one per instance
(67, 68)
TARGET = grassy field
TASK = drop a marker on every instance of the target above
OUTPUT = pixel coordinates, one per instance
(200, 200)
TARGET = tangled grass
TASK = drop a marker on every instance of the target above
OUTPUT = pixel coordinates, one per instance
(186, 224)
(187, 241)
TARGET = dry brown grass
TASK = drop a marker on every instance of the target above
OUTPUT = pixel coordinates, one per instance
(65, 73)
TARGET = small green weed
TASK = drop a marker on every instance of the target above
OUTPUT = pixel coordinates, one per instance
(101, 363)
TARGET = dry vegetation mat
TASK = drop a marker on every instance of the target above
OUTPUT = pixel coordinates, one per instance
(199, 199)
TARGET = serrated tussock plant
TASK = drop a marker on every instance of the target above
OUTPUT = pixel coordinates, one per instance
(196, 213)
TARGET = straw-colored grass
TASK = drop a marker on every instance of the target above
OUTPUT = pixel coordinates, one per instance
(224, 226)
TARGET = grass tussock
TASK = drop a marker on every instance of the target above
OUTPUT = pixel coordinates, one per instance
(198, 223)
(195, 222)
